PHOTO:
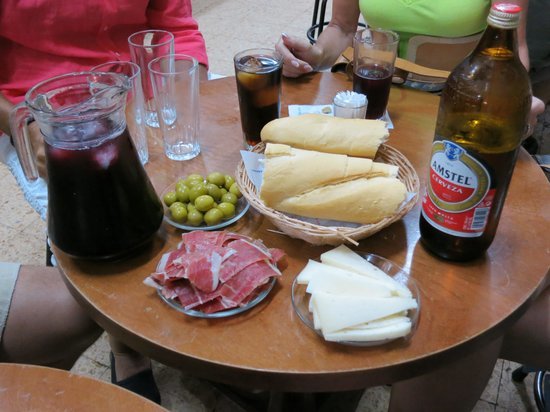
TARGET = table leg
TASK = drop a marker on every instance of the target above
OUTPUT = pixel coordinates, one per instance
(272, 401)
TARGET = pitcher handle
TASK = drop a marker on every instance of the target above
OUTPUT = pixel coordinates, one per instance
(20, 117)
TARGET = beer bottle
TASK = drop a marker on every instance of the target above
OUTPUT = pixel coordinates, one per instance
(482, 117)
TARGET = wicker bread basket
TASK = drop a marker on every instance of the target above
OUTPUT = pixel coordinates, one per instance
(332, 235)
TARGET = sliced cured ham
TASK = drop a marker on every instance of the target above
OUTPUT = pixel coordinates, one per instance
(245, 282)
(246, 253)
(216, 270)
(203, 270)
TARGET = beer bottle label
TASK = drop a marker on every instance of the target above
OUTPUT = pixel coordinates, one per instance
(458, 195)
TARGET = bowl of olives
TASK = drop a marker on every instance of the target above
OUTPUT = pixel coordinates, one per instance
(203, 202)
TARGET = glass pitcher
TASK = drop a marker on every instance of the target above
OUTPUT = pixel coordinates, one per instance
(101, 203)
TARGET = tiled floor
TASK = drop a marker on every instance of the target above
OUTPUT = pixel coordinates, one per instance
(228, 26)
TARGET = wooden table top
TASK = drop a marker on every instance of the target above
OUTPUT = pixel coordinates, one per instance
(36, 388)
(464, 305)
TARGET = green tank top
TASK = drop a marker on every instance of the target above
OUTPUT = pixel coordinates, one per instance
(441, 18)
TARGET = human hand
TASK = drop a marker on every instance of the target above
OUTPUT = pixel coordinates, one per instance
(537, 108)
(37, 143)
(298, 55)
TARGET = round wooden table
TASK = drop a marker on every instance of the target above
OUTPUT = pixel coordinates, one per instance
(464, 305)
(36, 388)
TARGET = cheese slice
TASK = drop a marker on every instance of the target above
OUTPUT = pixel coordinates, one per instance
(344, 258)
(337, 312)
(382, 322)
(308, 272)
(337, 281)
(360, 334)
(313, 268)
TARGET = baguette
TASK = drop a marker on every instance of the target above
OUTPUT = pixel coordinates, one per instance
(289, 172)
(362, 200)
(354, 137)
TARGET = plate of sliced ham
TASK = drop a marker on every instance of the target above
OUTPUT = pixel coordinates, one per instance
(213, 274)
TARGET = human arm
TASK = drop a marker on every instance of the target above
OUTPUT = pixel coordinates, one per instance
(537, 105)
(5, 109)
(34, 133)
(300, 57)
(522, 33)
(176, 17)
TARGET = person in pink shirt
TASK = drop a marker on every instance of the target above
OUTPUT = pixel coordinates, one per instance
(40, 39)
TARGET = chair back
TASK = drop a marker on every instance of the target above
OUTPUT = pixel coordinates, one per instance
(440, 53)
(318, 22)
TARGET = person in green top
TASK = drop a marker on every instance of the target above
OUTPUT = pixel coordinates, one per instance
(442, 18)
(457, 385)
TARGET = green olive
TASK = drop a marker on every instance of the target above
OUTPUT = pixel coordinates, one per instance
(190, 207)
(170, 198)
(213, 217)
(230, 198)
(228, 209)
(194, 176)
(192, 183)
(228, 181)
(204, 203)
(235, 190)
(182, 193)
(181, 183)
(224, 190)
(196, 191)
(214, 191)
(194, 218)
(178, 211)
(216, 178)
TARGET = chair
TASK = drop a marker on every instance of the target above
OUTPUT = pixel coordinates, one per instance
(318, 22)
(541, 386)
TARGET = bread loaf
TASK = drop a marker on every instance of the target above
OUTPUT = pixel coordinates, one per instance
(361, 200)
(353, 137)
(289, 172)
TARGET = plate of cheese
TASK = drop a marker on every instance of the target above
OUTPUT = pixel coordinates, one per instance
(356, 299)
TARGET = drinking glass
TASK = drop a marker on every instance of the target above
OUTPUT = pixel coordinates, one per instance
(134, 104)
(175, 80)
(258, 74)
(374, 53)
(144, 47)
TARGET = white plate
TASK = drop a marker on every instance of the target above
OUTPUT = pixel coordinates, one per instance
(261, 293)
(300, 299)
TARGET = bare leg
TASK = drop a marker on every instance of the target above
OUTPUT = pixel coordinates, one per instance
(528, 340)
(133, 371)
(127, 361)
(45, 325)
(456, 386)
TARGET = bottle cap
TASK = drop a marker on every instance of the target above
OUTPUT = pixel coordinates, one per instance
(504, 15)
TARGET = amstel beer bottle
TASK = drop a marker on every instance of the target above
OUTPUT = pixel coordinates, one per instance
(482, 117)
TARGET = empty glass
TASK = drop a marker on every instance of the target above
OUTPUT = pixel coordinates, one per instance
(145, 46)
(175, 80)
